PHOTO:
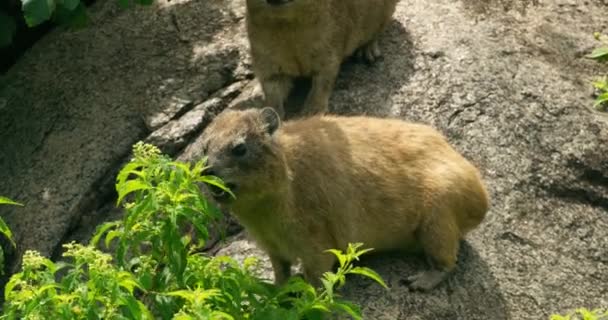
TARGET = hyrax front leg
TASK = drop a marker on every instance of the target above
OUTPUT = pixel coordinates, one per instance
(276, 90)
(322, 86)
(314, 267)
(281, 268)
(440, 239)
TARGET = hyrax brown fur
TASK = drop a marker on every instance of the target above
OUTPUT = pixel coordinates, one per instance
(309, 39)
(321, 182)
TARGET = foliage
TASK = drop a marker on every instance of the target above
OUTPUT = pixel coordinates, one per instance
(584, 314)
(5, 231)
(157, 270)
(601, 84)
(70, 13)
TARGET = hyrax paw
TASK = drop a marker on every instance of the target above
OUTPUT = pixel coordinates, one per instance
(369, 53)
(426, 280)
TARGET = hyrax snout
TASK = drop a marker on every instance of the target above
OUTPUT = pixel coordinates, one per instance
(308, 185)
(292, 39)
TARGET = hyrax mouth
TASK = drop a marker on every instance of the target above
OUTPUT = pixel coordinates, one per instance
(220, 194)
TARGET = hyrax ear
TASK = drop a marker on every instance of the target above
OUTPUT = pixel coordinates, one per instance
(270, 119)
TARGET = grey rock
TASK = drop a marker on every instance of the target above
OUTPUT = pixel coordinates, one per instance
(251, 96)
(75, 103)
(175, 135)
(176, 107)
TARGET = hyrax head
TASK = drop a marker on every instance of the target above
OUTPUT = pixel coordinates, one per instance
(242, 151)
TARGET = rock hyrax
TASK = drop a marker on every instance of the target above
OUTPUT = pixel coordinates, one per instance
(292, 39)
(321, 182)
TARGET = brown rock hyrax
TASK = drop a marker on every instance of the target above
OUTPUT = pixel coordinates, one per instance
(321, 182)
(292, 39)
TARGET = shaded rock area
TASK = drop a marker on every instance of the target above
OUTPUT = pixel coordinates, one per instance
(73, 106)
(506, 81)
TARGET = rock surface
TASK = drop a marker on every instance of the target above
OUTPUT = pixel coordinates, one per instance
(506, 81)
(72, 107)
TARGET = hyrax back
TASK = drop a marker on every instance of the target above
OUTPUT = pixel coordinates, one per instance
(322, 182)
(309, 39)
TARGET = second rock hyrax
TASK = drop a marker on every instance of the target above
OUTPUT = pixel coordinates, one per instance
(318, 183)
(292, 39)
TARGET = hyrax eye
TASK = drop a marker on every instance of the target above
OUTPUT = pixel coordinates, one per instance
(239, 150)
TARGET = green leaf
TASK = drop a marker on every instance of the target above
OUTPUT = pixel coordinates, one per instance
(215, 181)
(196, 296)
(7, 29)
(112, 234)
(124, 3)
(128, 187)
(75, 19)
(37, 11)
(6, 231)
(126, 280)
(133, 305)
(370, 274)
(314, 314)
(320, 306)
(329, 287)
(45, 288)
(4, 200)
(275, 314)
(10, 286)
(1, 261)
(101, 230)
(69, 4)
(601, 84)
(599, 53)
(348, 308)
(601, 99)
(123, 175)
(297, 285)
(338, 255)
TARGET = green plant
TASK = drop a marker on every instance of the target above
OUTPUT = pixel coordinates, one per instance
(70, 13)
(157, 270)
(92, 288)
(601, 85)
(583, 314)
(5, 231)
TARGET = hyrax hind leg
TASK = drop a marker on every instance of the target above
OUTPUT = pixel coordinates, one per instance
(369, 52)
(439, 237)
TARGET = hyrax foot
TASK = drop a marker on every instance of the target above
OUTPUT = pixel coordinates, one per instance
(369, 53)
(426, 280)
(440, 239)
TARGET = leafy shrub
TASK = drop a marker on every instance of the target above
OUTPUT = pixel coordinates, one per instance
(584, 314)
(157, 270)
(70, 13)
(601, 84)
(5, 231)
